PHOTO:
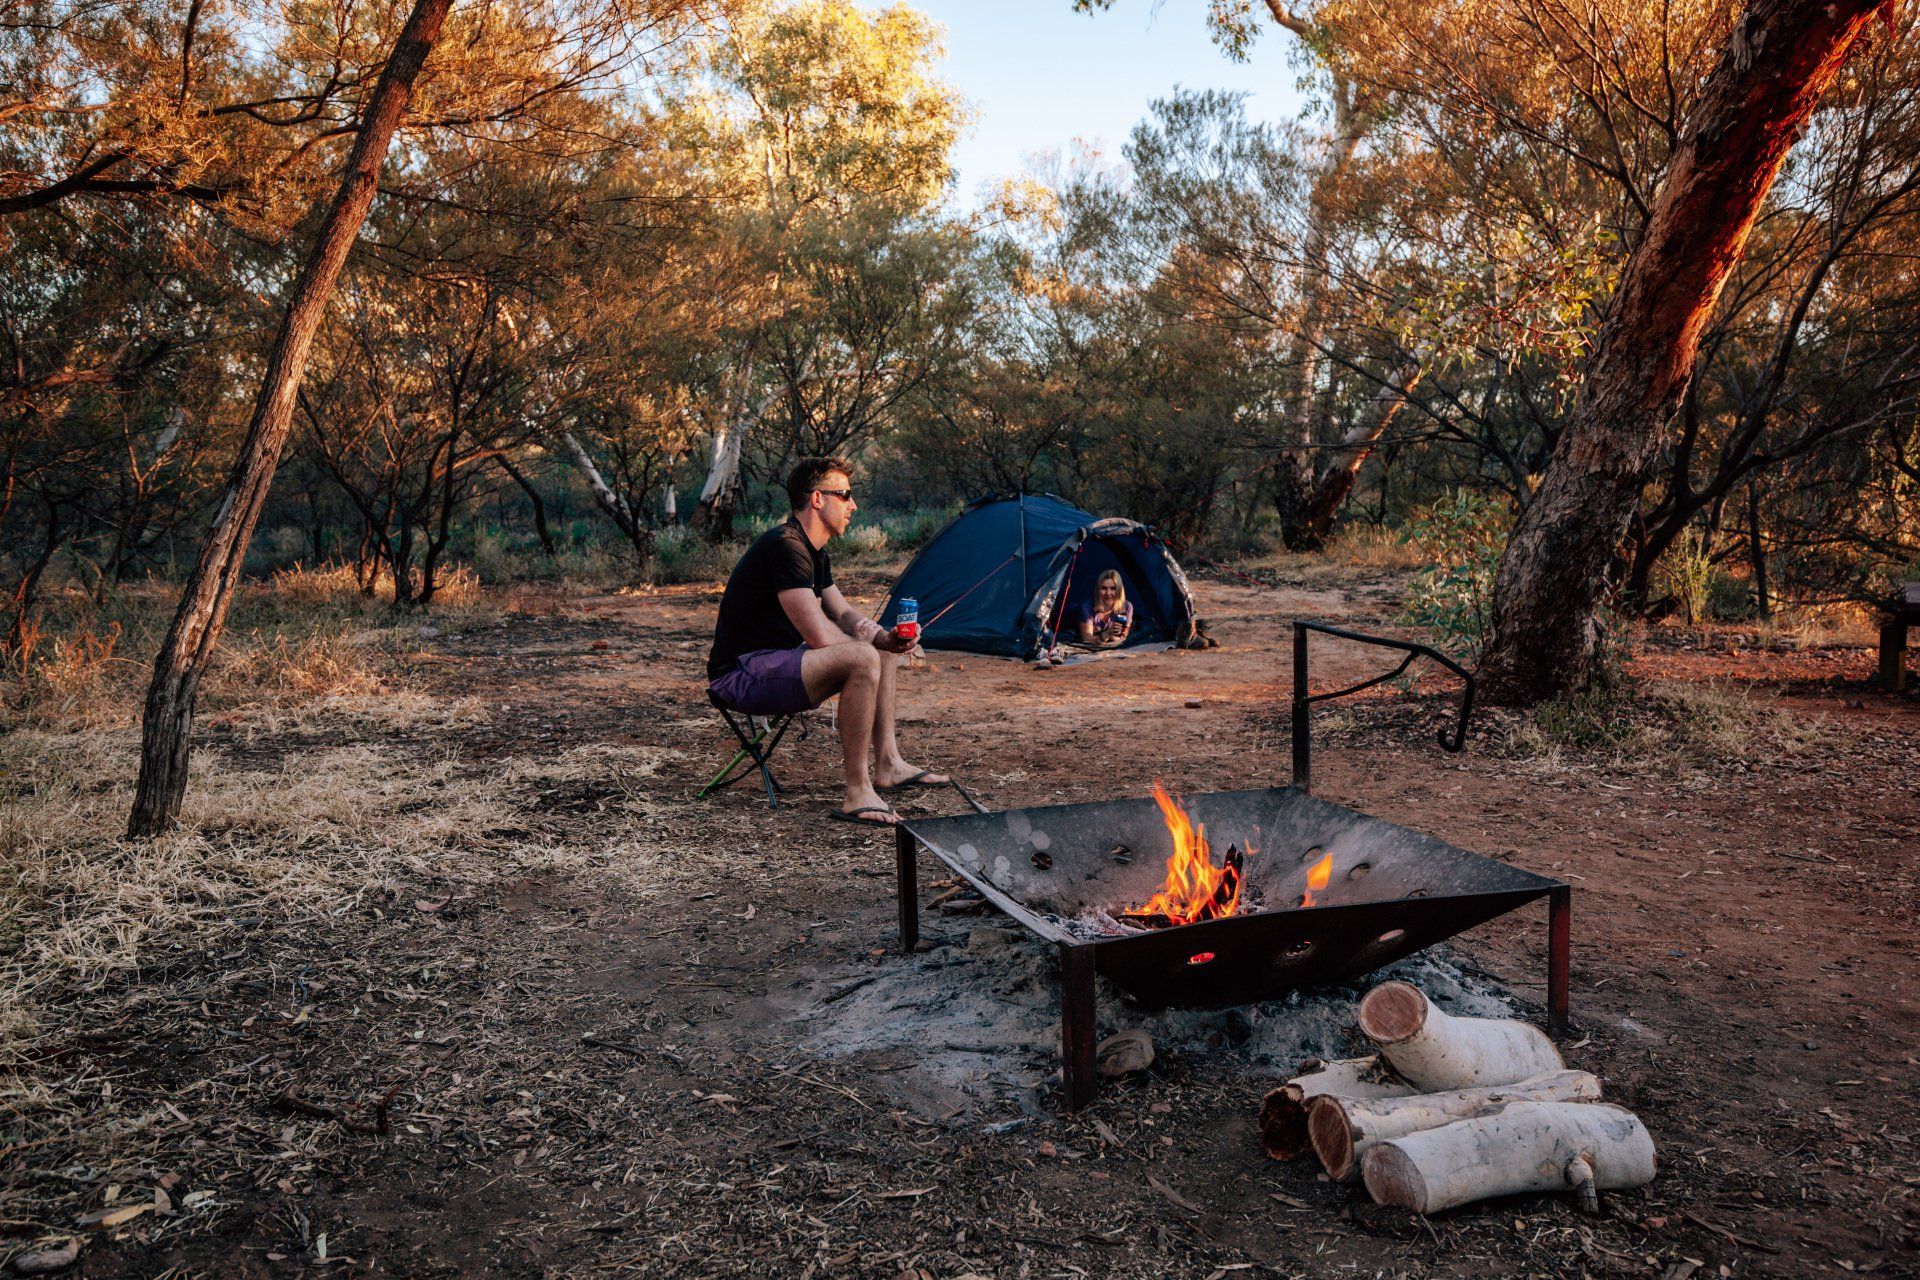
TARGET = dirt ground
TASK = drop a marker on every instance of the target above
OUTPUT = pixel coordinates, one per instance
(598, 1064)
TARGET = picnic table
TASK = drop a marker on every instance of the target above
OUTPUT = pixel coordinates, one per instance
(1902, 610)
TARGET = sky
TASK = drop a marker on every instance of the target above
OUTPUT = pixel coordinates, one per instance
(1040, 75)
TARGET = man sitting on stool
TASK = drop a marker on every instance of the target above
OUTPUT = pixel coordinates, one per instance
(787, 640)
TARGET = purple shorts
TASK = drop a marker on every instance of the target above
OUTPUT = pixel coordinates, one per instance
(766, 683)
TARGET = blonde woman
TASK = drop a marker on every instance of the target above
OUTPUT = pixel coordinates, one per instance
(1104, 621)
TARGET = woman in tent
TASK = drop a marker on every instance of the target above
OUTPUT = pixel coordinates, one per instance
(1104, 621)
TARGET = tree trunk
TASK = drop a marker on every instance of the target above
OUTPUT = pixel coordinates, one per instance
(1344, 1129)
(1781, 58)
(1757, 554)
(1524, 1146)
(615, 506)
(21, 631)
(190, 641)
(1337, 477)
(720, 495)
(1434, 1050)
(534, 499)
(1296, 490)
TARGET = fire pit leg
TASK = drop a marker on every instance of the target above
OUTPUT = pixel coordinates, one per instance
(907, 874)
(1559, 943)
(1078, 1072)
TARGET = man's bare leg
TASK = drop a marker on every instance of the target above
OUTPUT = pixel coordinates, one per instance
(890, 768)
(853, 671)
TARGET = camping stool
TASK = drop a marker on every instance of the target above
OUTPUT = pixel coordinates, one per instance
(759, 736)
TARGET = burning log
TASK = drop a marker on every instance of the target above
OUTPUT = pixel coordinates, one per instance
(1342, 1129)
(1586, 1147)
(1224, 900)
(1283, 1112)
(1436, 1051)
(1195, 889)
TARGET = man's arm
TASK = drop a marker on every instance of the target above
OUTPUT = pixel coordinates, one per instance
(804, 611)
(857, 625)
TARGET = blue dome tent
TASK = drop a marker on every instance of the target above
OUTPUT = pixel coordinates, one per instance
(1000, 576)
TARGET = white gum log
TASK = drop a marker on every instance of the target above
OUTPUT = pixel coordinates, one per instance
(1283, 1112)
(1587, 1147)
(1434, 1050)
(1342, 1129)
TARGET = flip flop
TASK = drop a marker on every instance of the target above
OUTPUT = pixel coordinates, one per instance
(917, 780)
(853, 815)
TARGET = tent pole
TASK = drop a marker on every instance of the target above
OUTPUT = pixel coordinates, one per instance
(1026, 587)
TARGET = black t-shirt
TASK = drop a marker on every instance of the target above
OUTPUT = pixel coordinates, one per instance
(750, 614)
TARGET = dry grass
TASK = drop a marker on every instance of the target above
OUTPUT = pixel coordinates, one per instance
(1365, 546)
(1833, 627)
(457, 587)
(1662, 726)
(316, 835)
(1354, 547)
(310, 833)
(306, 638)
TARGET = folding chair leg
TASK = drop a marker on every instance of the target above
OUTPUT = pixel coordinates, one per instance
(765, 756)
(758, 746)
(725, 769)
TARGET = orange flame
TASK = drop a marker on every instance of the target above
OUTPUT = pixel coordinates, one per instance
(1195, 889)
(1317, 877)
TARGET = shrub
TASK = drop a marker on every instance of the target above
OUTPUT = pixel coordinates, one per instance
(682, 555)
(865, 540)
(1729, 596)
(1462, 537)
(1683, 572)
(910, 530)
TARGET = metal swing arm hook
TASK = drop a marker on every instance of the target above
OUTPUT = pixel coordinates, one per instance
(1302, 742)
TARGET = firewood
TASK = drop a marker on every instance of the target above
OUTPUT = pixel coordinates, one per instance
(1123, 1054)
(1283, 1112)
(1342, 1129)
(1436, 1051)
(1519, 1147)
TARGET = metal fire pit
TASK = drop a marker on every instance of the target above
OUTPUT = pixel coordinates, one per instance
(1392, 891)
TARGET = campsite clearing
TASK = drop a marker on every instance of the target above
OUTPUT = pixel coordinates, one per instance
(587, 1039)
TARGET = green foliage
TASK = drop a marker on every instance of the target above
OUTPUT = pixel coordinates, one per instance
(1461, 536)
(1729, 596)
(681, 555)
(910, 530)
(1683, 574)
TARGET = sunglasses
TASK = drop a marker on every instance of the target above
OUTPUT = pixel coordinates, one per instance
(845, 495)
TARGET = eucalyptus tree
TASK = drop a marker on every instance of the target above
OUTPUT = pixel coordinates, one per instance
(505, 69)
(822, 124)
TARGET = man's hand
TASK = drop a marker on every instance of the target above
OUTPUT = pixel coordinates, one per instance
(890, 642)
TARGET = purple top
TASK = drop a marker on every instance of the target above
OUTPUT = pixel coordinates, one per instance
(1106, 626)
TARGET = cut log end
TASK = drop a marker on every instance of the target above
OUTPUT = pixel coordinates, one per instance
(1392, 1012)
(1332, 1138)
(1283, 1123)
(1283, 1112)
(1393, 1178)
